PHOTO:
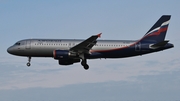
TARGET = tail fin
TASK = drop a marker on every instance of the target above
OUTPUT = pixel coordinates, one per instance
(158, 31)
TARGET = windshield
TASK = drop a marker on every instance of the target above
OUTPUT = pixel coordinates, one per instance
(17, 43)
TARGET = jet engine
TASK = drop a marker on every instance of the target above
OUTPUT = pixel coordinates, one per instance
(63, 54)
(65, 57)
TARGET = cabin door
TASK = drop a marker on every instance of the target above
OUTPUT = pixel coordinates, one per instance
(28, 44)
(138, 47)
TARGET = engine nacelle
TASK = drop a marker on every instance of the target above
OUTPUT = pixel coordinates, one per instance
(63, 54)
(65, 57)
(68, 61)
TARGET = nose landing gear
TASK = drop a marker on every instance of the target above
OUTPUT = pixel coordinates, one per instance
(29, 60)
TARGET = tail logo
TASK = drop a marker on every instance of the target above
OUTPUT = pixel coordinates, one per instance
(158, 30)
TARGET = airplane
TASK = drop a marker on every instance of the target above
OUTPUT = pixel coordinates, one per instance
(70, 51)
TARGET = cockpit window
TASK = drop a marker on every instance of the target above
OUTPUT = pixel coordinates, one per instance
(17, 43)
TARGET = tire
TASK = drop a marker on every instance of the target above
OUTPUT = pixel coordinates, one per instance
(28, 64)
(86, 67)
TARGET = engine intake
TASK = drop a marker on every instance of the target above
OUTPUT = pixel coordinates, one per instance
(61, 54)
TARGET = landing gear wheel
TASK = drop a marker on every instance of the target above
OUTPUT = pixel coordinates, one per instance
(29, 60)
(86, 67)
(28, 64)
(84, 64)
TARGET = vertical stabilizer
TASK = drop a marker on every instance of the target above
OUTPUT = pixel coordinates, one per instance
(158, 31)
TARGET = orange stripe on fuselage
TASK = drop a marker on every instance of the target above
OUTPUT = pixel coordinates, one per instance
(109, 49)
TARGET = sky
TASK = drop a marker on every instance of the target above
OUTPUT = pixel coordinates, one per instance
(151, 77)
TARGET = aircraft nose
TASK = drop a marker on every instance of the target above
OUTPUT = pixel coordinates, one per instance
(10, 50)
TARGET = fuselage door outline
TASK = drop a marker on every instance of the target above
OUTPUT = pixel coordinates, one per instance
(28, 44)
(138, 47)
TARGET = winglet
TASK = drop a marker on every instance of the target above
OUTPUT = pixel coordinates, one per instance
(99, 35)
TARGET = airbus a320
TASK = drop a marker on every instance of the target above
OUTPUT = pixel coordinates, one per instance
(70, 51)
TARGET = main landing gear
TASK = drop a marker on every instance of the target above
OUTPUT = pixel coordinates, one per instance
(29, 60)
(84, 64)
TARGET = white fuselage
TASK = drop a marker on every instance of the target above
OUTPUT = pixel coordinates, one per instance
(45, 47)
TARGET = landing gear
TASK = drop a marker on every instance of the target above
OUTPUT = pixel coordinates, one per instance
(86, 67)
(84, 64)
(28, 64)
(29, 60)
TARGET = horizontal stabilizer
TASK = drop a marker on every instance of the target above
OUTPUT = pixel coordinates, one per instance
(159, 44)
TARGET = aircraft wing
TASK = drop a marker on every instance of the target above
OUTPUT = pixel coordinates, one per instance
(86, 45)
